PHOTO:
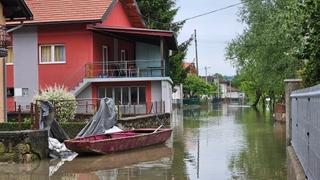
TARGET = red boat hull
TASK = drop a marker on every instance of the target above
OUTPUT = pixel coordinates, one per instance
(115, 142)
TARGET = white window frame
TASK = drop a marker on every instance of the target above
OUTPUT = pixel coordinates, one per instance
(121, 91)
(52, 54)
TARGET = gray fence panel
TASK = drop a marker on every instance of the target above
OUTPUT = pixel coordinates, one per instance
(306, 129)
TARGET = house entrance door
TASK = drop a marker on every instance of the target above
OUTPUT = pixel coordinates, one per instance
(105, 59)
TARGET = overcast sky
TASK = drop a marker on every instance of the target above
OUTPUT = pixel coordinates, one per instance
(213, 32)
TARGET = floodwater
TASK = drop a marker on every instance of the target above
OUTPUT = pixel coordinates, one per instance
(220, 142)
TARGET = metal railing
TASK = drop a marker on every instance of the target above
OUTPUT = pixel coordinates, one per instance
(4, 38)
(84, 108)
(90, 106)
(306, 129)
(123, 69)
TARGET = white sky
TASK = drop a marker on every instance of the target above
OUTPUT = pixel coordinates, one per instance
(213, 32)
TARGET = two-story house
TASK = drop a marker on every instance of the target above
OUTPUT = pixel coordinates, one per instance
(96, 48)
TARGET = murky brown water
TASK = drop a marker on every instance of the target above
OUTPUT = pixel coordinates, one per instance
(224, 142)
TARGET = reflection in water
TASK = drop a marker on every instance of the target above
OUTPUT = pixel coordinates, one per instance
(208, 142)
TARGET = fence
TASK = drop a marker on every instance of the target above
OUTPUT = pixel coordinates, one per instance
(90, 106)
(306, 129)
(85, 107)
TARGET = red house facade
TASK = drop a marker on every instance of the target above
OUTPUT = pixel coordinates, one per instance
(98, 48)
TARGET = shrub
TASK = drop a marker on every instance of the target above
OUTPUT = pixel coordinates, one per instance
(14, 126)
(63, 101)
(71, 128)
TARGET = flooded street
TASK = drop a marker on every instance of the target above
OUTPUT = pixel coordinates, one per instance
(223, 142)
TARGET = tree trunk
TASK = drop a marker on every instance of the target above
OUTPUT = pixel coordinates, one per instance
(258, 96)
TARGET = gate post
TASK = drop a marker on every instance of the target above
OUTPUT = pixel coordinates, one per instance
(290, 85)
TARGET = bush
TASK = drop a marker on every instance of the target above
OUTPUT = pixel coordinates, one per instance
(72, 129)
(14, 126)
(63, 101)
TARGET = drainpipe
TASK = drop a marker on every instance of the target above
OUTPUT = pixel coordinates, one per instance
(15, 28)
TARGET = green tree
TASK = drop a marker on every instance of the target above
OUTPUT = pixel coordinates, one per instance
(196, 87)
(159, 14)
(311, 35)
(265, 53)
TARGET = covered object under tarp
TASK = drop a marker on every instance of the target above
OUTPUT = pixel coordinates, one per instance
(49, 122)
(104, 119)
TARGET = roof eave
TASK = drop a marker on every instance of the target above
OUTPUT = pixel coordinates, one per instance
(26, 13)
(33, 23)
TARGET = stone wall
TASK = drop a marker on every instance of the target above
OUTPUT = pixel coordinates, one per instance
(295, 170)
(23, 146)
(145, 121)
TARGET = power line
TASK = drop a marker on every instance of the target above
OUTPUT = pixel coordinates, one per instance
(189, 18)
(210, 12)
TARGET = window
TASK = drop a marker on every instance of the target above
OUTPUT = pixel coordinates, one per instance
(52, 54)
(142, 95)
(9, 58)
(110, 93)
(124, 95)
(10, 92)
(134, 95)
(101, 92)
(25, 91)
(117, 95)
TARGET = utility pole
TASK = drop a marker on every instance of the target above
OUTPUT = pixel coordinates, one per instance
(196, 46)
(206, 69)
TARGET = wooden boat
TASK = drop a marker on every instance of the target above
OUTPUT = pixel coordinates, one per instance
(121, 141)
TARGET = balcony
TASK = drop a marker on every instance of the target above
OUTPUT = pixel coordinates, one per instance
(125, 69)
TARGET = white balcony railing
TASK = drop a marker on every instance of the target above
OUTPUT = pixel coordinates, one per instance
(122, 69)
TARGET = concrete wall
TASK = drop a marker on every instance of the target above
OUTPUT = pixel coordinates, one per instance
(178, 94)
(145, 121)
(295, 170)
(167, 95)
(156, 91)
(23, 146)
(25, 50)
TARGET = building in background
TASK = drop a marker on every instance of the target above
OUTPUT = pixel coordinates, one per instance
(190, 68)
(10, 10)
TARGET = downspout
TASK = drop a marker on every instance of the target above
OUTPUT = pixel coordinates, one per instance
(15, 28)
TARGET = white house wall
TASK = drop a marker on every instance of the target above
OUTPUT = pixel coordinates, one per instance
(25, 59)
(156, 91)
(167, 95)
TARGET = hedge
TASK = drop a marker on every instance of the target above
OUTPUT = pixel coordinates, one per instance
(71, 128)
(14, 126)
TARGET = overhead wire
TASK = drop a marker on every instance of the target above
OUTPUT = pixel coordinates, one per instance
(189, 18)
(213, 11)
